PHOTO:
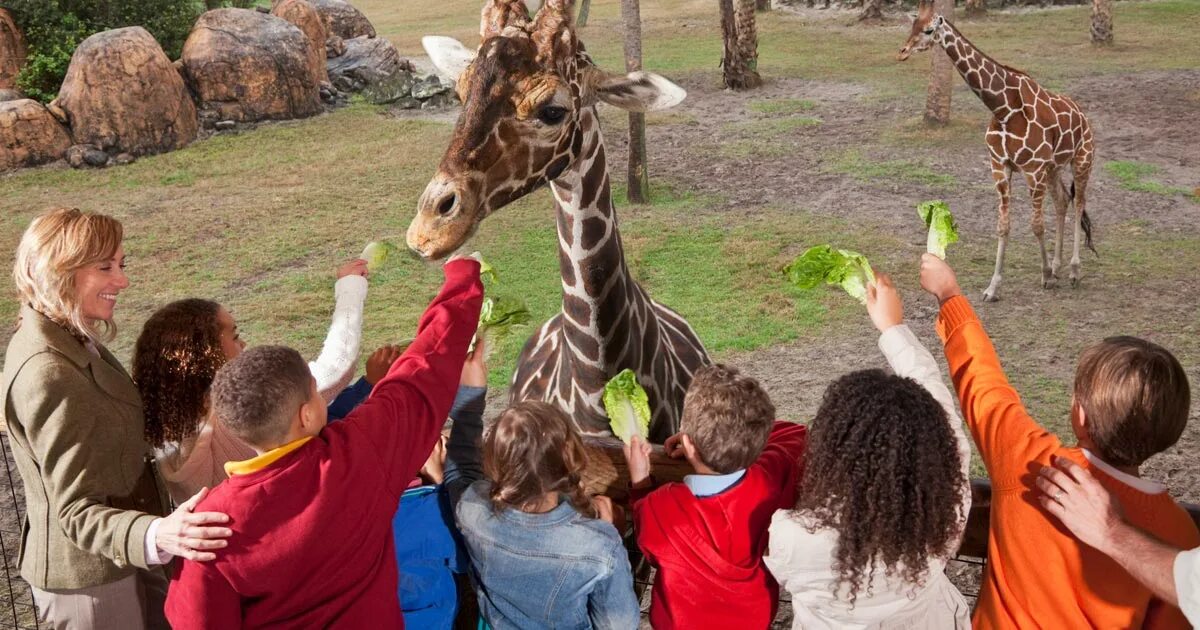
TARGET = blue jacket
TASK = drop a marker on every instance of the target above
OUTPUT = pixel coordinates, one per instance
(559, 569)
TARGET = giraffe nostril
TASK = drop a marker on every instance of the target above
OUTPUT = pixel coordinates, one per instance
(447, 204)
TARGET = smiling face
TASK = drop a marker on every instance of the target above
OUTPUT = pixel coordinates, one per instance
(97, 286)
(925, 25)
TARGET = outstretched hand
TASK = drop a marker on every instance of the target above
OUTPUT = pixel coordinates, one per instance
(938, 279)
(381, 361)
(637, 456)
(354, 267)
(184, 532)
(1083, 506)
(474, 372)
(883, 303)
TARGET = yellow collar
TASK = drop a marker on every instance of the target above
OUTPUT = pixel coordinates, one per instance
(255, 464)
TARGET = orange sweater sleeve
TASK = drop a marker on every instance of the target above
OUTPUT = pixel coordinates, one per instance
(1007, 437)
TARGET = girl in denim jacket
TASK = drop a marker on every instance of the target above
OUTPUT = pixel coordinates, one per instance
(544, 554)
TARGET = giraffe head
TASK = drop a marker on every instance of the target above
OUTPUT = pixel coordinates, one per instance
(926, 25)
(524, 93)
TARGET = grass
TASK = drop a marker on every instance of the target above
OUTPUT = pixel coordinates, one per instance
(781, 106)
(769, 127)
(853, 163)
(1136, 176)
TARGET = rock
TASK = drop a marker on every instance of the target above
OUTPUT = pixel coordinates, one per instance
(75, 155)
(437, 101)
(12, 50)
(10, 95)
(124, 158)
(123, 95)
(429, 87)
(59, 114)
(366, 62)
(392, 89)
(29, 135)
(95, 157)
(408, 103)
(334, 46)
(305, 17)
(343, 20)
(248, 66)
(224, 125)
(81, 155)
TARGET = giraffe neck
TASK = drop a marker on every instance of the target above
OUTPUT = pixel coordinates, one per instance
(600, 301)
(988, 79)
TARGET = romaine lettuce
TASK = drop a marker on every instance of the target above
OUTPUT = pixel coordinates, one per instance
(627, 406)
(824, 264)
(942, 229)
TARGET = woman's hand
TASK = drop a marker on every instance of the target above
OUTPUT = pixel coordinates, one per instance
(883, 303)
(356, 267)
(185, 533)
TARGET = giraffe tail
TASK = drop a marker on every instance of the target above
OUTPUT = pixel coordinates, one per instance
(1085, 222)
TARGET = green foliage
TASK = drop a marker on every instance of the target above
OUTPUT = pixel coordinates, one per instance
(627, 406)
(54, 28)
(1135, 176)
(840, 267)
(781, 106)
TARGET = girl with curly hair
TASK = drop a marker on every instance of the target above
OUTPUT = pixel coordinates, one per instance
(178, 353)
(543, 552)
(885, 494)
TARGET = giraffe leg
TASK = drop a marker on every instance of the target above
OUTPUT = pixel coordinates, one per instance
(1001, 174)
(1058, 192)
(1080, 208)
(1037, 194)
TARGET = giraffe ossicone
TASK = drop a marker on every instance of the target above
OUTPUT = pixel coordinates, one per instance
(529, 120)
(1033, 131)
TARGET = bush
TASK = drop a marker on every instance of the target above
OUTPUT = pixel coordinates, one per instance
(53, 28)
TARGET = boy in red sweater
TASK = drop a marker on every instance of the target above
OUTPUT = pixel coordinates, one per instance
(1130, 401)
(312, 513)
(707, 535)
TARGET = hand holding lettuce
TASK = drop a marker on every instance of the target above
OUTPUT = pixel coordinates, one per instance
(379, 254)
(497, 319)
(942, 229)
(824, 264)
(627, 406)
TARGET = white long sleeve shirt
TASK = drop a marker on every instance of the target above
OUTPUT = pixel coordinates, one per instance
(803, 562)
(1187, 584)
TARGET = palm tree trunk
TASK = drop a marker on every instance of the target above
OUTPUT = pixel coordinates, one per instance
(941, 71)
(639, 181)
(1102, 22)
(584, 8)
(740, 60)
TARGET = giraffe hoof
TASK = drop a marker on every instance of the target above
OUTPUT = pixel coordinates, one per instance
(991, 296)
(1074, 282)
(1049, 282)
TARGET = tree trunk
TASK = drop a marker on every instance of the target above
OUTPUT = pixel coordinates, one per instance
(941, 71)
(872, 11)
(762, 5)
(584, 8)
(639, 182)
(740, 60)
(976, 8)
(1102, 22)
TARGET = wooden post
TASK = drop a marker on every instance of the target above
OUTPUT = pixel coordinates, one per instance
(638, 180)
(584, 8)
(937, 99)
(608, 474)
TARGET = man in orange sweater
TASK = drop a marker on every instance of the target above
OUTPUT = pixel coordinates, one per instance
(1130, 402)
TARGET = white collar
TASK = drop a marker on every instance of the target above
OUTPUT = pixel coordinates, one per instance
(1137, 483)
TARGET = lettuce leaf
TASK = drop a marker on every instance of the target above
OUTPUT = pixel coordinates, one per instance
(488, 272)
(942, 228)
(627, 406)
(824, 264)
(379, 254)
(498, 318)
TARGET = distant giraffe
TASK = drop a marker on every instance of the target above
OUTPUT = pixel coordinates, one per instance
(1033, 130)
(529, 119)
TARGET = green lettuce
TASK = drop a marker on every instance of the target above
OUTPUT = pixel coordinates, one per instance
(379, 253)
(942, 229)
(627, 406)
(498, 318)
(488, 272)
(824, 264)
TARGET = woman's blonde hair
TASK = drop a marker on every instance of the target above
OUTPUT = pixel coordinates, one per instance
(55, 246)
(531, 449)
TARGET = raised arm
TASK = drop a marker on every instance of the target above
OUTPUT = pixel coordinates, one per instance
(404, 415)
(334, 367)
(463, 454)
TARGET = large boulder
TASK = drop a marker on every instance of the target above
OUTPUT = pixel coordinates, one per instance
(343, 20)
(29, 135)
(12, 50)
(243, 65)
(302, 14)
(123, 95)
(366, 61)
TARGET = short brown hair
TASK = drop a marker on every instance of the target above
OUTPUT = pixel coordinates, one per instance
(728, 417)
(1135, 396)
(257, 393)
(531, 449)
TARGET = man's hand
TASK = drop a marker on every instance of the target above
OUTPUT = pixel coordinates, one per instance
(938, 278)
(637, 456)
(184, 534)
(1083, 506)
(883, 303)
(355, 267)
(381, 361)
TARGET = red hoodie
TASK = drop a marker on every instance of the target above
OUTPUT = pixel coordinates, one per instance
(708, 550)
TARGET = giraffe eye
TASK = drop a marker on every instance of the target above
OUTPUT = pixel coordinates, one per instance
(552, 114)
(929, 31)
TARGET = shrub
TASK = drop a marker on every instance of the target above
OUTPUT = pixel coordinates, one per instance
(53, 28)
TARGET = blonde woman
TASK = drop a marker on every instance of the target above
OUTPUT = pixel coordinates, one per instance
(93, 533)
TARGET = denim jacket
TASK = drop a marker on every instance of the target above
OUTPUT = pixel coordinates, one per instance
(559, 569)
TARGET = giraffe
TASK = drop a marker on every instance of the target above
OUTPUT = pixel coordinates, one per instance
(1033, 131)
(529, 119)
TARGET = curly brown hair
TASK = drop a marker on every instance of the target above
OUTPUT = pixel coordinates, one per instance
(174, 361)
(882, 469)
(531, 449)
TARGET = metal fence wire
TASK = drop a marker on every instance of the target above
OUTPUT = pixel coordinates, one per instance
(16, 601)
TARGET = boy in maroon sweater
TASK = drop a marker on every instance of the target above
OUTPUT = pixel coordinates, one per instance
(312, 514)
(708, 534)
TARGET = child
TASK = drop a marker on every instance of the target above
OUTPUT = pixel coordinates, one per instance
(885, 496)
(1130, 402)
(707, 535)
(544, 554)
(312, 513)
(180, 349)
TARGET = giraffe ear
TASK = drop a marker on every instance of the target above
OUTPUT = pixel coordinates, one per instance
(448, 55)
(638, 91)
